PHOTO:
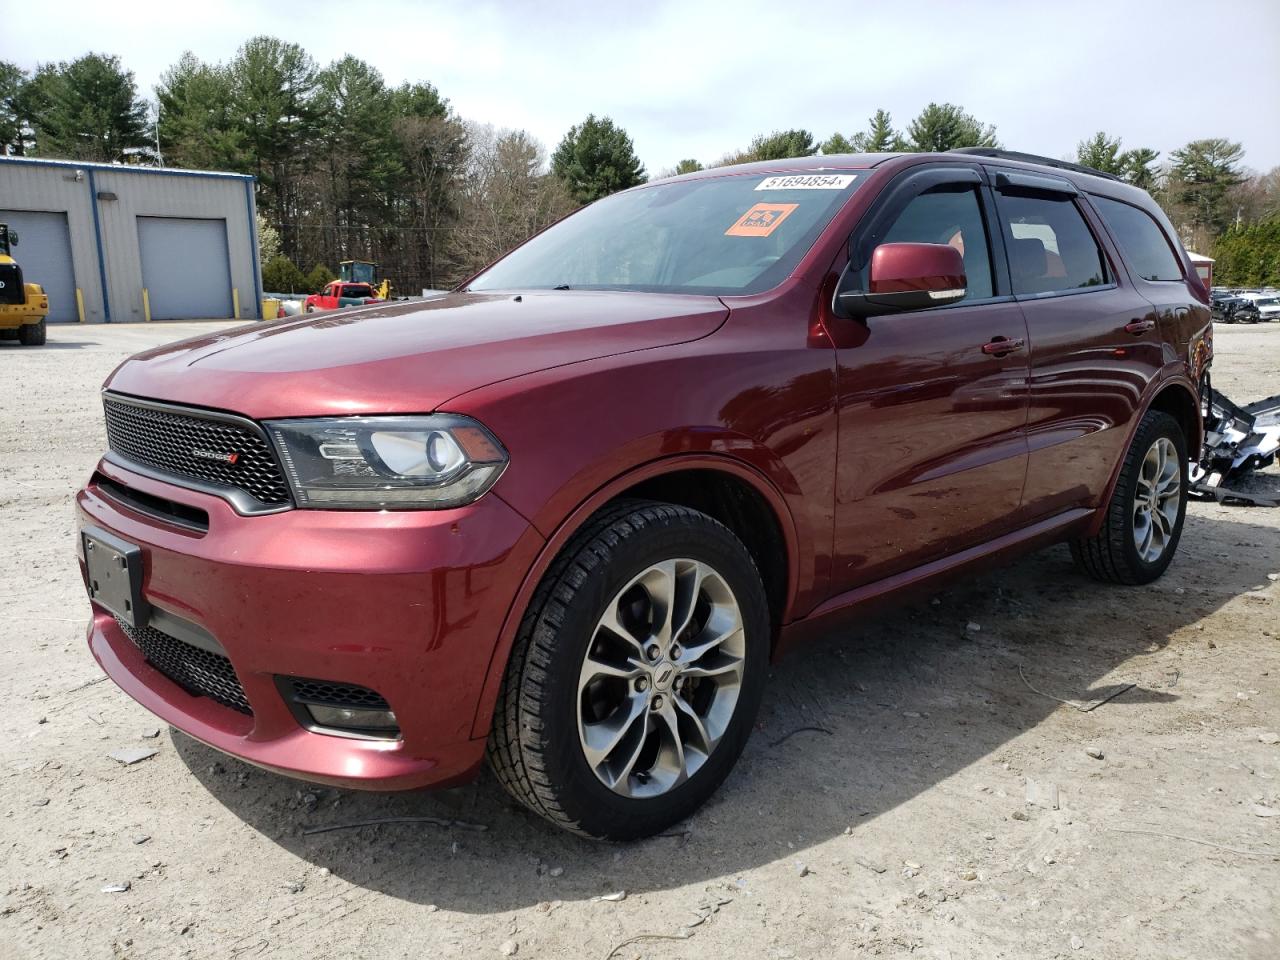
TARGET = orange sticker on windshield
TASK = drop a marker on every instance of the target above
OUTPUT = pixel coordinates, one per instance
(761, 220)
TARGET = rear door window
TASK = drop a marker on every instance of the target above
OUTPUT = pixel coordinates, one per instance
(1140, 239)
(1051, 249)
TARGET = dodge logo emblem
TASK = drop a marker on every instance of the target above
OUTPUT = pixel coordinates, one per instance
(230, 458)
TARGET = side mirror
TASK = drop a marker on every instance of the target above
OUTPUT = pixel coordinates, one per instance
(908, 276)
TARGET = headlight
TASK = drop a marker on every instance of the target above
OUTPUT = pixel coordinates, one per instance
(378, 463)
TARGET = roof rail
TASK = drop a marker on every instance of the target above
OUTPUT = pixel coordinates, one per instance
(1033, 158)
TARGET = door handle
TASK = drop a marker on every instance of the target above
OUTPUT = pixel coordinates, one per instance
(1001, 346)
(1139, 327)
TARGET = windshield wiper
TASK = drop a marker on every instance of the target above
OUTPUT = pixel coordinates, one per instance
(563, 286)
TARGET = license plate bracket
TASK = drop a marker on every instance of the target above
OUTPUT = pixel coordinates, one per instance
(114, 569)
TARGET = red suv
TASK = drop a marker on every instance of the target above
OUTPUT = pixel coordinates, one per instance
(564, 517)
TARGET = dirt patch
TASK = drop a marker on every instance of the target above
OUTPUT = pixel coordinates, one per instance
(893, 822)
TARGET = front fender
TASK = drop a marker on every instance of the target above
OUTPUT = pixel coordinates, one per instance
(583, 512)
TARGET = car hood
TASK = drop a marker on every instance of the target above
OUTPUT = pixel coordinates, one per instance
(407, 356)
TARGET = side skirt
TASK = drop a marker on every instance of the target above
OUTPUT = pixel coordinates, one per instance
(927, 577)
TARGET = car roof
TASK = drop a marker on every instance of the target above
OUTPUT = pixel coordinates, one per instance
(1085, 179)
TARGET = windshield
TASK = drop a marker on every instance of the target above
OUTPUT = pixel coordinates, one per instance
(723, 236)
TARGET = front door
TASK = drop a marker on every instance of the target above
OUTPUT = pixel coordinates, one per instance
(932, 403)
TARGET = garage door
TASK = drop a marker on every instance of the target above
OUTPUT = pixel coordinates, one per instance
(185, 267)
(44, 253)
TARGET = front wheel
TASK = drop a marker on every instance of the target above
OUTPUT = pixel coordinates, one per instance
(636, 674)
(1145, 514)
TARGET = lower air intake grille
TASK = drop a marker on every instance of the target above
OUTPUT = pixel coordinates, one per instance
(196, 671)
(326, 694)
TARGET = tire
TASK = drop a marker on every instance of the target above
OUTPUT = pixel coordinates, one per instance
(1121, 552)
(547, 710)
(32, 334)
(310, 308)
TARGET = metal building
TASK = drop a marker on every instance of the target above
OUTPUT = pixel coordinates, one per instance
(120, 244)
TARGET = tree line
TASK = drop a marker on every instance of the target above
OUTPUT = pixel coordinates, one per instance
(351, 167)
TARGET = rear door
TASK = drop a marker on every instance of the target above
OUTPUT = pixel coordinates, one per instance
(1095, 341)
(932, 450)
(1156, 270)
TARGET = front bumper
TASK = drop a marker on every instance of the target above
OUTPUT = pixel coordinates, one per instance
(408, 604)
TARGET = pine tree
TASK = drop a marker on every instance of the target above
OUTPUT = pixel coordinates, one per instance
(836, 143)
(942, 127)
(879, 137)
(355, 150)
(596, 158)
(1137, 167)
(1203, 174)
(12, 79)
(1104, 153)
(274, 86)
(198, 124)
(89, 110)
(1101, 152)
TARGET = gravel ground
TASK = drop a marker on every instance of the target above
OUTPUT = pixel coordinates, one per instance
(899, 827)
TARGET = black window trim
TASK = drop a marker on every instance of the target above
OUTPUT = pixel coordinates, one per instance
(901, 191)
(1129, 269)
(1056, 196)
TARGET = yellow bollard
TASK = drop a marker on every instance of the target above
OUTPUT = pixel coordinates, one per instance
(80, 304)
(235, 303)
(146, 305)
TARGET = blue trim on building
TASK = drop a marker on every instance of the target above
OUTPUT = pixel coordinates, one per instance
(97, 236)
(253, 249)
(123, 168)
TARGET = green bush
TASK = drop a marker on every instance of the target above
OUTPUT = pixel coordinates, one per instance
(281, 276)
(319, 277)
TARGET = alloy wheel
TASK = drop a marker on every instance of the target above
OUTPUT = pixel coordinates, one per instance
(661, 678)
(1156, 500)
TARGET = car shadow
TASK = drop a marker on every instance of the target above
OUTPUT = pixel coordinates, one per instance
(852, 726)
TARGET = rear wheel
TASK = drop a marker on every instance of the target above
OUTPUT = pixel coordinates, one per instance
(1145, 515)
(32, 334)
(636, 674)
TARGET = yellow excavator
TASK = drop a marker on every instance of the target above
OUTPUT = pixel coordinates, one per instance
(23, 306)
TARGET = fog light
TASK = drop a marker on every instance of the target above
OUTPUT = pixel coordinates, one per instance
(354, 718)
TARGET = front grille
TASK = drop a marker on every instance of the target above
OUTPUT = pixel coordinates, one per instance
(168, 439)
(323, 693)
(196, 671)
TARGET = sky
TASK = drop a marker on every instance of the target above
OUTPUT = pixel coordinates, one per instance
(690, 79)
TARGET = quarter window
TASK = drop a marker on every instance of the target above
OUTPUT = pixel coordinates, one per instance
(1050, 247)
(1140, 239)
(951, 216)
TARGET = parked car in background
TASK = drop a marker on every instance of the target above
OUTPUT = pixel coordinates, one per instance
(564, 517)
(1268, 306)
(1235, 310)
(340, 294)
